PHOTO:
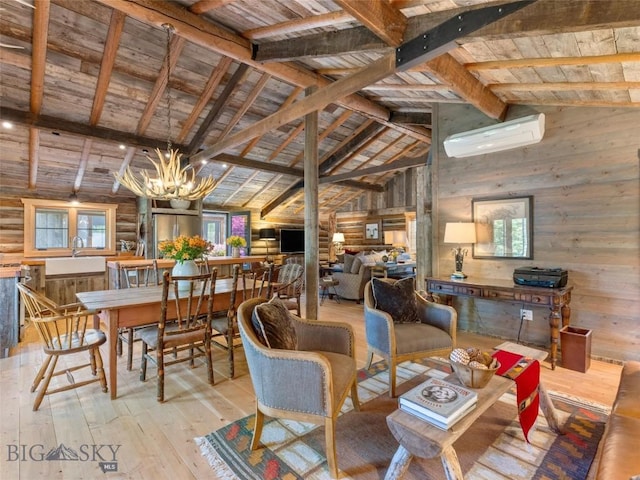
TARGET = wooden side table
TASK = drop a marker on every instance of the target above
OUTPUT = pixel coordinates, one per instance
(326, 284)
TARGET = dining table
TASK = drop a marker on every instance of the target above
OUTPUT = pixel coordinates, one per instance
(136, 307)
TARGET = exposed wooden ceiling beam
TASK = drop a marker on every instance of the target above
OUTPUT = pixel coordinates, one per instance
(116, 25)
(255, 92)
(204, 6)
(316, 45)
(385, 21)
(377, 70)
(298, 25)
(412, 118)
(216, 109)
(46, 122)
(348, 145)
(209, 36)
(106, 66)
(553, 61)
(38, 65)
(547, 17)
(159, 87)
(462, 82)
(212, 83)
(562, 86)
(438, 41)
(403, 164)
(82, 166)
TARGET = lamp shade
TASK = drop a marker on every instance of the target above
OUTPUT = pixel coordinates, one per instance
(397, 238)
(267, 234)
(460, 232)
(338, 238)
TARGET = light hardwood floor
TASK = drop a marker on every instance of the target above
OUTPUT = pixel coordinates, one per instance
(156, 440)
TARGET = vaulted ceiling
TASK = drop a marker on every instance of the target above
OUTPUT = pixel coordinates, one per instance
(85, 84)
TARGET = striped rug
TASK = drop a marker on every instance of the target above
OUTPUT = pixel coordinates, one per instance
(493, 448)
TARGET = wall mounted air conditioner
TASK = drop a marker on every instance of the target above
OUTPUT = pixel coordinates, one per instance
(495, 138)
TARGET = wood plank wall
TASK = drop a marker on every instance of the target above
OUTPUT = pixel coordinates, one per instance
(389, 207)
(584, 178)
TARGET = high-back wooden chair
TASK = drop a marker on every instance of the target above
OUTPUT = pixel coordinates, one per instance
(245, 285)
(139, 275)
(63, 332)
(184, 328)
(290, 279)
(134, 277)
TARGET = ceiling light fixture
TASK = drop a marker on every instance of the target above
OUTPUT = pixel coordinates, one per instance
(172, 181)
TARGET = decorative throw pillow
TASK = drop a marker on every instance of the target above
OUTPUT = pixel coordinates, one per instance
(357, 263)
(397, 299)
(273, 325)
(348, 263)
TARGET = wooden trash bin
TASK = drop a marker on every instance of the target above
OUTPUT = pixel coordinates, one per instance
(575, 344)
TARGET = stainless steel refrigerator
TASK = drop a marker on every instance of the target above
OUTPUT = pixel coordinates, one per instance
(168, 227)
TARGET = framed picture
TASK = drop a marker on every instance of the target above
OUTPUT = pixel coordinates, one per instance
(372, 229)
(504, 227)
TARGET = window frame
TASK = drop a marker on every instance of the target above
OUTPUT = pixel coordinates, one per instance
(31, 205)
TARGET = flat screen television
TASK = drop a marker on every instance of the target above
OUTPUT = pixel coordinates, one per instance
(291, 241)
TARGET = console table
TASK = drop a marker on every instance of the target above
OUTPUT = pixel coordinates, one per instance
(556, 299)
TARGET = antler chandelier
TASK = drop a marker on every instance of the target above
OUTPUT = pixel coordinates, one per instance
(172, 180)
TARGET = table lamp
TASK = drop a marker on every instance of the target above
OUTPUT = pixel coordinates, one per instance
(338, 242)
(267, 234)
(459, 232)
(398, 239)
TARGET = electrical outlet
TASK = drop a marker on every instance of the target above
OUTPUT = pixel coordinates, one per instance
(526, 314)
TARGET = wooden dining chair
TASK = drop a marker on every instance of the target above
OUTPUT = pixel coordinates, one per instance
(63, 331)
(249, 284)
(134, 277)
(184, 328)
(290, 283)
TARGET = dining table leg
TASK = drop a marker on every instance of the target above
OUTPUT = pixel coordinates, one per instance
(111, 319)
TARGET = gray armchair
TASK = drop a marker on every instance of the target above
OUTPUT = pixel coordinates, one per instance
(435, 334)
(309, 384)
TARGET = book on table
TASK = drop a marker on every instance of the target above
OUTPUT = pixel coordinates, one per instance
(439, 402)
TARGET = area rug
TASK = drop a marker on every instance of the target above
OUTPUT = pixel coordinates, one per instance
(493, 448)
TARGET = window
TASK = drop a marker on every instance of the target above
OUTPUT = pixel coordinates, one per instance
(218, 226)
(51, 226)
(410, 220)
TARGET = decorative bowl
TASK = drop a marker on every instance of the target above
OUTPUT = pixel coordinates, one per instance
(474, 377)
(179, 204)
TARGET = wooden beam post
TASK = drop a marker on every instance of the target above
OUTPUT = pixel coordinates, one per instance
(311, 218)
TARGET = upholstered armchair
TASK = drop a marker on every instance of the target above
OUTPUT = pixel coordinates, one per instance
(309, 382)
(430, 330)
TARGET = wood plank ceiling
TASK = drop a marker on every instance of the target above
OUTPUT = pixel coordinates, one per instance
(87, 90)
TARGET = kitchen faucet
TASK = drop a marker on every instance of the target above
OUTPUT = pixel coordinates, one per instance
(74, 245)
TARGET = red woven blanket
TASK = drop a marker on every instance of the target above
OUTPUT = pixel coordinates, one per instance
(526, 373)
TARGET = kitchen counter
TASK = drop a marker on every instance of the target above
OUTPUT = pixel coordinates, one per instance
(168, 263)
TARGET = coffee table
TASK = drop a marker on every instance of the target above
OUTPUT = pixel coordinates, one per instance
(419, 438)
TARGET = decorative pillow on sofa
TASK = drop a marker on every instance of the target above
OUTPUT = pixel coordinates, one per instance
(397, 299)
(357, 263)
(348, 262)
(273, 325)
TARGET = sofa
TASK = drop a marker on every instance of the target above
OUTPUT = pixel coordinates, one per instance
(619, 447)
(351, 285)
(353, 272)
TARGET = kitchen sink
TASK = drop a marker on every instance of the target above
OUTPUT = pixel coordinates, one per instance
(70, 265)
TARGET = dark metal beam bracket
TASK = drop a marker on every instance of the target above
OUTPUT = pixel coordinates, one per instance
(438, 40)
